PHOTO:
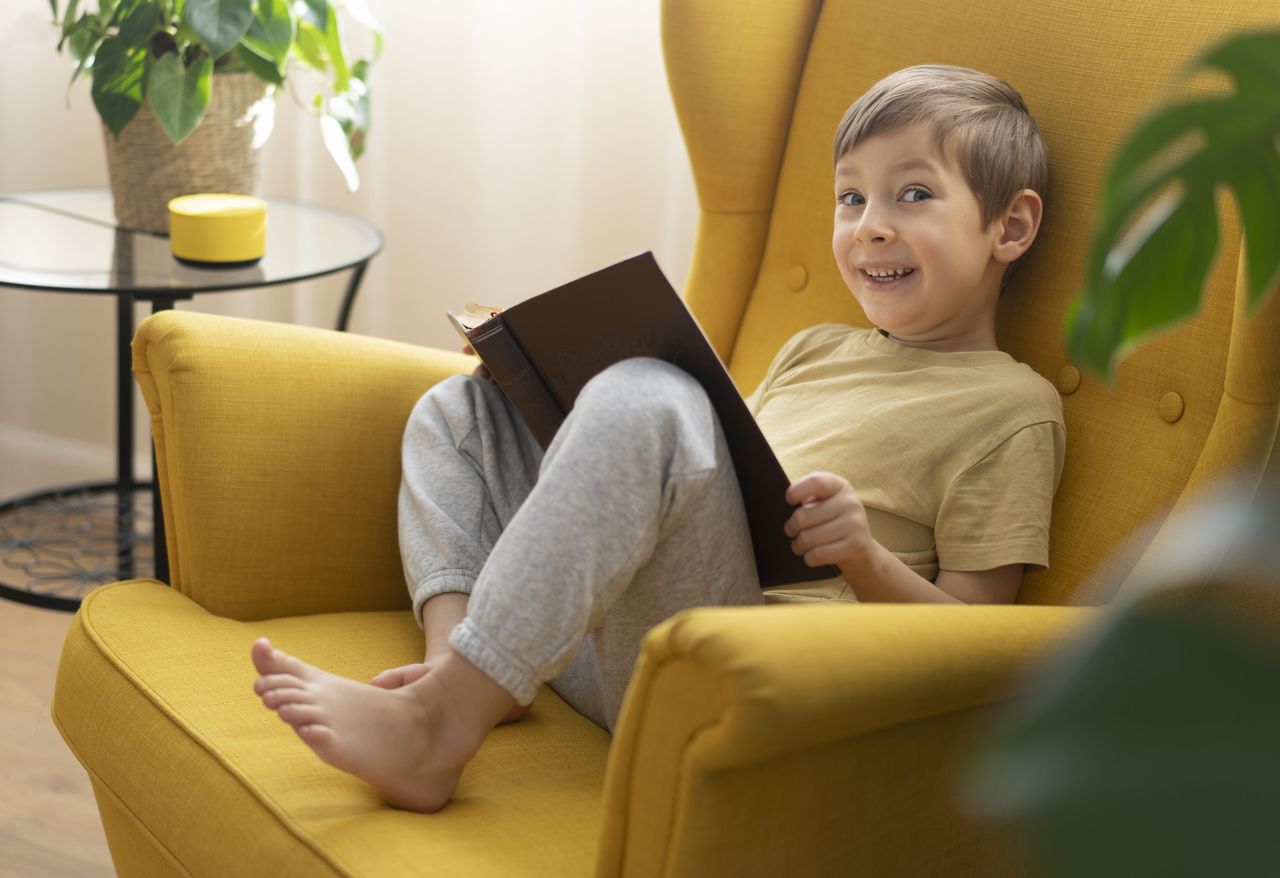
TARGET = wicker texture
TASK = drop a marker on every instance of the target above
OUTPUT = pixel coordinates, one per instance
(223, 154)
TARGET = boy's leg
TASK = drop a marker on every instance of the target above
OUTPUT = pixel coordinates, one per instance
(635, 516)
(676, 534)
(468, 462)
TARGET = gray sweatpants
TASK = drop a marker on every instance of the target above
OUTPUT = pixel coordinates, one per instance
(632, 515)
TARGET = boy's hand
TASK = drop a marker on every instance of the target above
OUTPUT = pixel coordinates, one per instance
(481, 370)
(830, 525)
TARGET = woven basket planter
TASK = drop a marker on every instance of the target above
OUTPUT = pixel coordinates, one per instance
(223, 154)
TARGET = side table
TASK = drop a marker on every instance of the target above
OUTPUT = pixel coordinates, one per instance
(57, 544)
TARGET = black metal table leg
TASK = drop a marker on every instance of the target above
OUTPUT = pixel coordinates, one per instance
(124, 433)
(157, 511)
(348, 300)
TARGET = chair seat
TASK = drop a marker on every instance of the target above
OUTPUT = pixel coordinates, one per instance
(161, 707)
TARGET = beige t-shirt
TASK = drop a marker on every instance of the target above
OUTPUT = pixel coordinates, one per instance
(956, 456)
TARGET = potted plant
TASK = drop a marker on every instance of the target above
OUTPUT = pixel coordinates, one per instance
(185, 89)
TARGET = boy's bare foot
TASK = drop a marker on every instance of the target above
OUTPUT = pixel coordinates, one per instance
(394, 678)
(410, 743)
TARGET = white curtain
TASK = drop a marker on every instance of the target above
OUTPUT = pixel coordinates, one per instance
(515, 145)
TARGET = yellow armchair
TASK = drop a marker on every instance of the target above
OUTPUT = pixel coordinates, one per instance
(809, 740)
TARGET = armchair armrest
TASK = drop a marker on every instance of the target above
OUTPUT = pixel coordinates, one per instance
(278, 457)
(754, 737)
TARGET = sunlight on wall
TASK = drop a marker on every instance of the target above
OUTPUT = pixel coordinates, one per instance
(514, 146)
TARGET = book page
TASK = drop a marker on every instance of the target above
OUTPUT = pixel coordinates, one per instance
(474, 315)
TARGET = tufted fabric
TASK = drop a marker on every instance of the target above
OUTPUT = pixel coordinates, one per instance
(1088, 69)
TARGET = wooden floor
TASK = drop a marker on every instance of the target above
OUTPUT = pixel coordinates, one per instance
(49, 824)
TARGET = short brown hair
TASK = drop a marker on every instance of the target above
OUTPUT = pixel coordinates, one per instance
(981, 123)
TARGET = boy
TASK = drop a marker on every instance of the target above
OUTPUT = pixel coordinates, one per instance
(528, 568)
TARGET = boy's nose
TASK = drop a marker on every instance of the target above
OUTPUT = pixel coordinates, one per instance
(873, 227)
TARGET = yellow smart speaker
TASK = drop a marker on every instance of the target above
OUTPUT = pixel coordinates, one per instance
(218, 231)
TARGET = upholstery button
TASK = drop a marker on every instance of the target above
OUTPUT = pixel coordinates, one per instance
(1171, 407)
(1068, 379)
(797, 277)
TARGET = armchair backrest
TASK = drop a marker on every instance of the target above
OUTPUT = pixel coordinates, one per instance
(759, 87)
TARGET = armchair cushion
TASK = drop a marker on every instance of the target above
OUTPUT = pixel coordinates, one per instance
(160, 710)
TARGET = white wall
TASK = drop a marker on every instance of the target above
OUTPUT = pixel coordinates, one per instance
(514, 146)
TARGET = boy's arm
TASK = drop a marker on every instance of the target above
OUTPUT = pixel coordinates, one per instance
(830, 527)
(887, 579)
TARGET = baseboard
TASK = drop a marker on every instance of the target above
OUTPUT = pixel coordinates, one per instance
(30, 460)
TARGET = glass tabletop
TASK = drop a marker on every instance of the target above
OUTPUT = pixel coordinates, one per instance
(65, 240)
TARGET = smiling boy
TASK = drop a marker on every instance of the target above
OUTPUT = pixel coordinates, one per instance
(924, 463)
(949, 461)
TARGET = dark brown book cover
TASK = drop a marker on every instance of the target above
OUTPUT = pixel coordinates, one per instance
(542, 351)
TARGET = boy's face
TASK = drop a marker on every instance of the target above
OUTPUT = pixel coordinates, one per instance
(909, 244)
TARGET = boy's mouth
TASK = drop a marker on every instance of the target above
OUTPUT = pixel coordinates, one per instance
(884, 277)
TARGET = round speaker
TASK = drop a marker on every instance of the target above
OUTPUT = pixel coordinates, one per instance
(216, 230)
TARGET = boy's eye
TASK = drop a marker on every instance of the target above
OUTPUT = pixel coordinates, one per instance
(915, 193)
(850, 199)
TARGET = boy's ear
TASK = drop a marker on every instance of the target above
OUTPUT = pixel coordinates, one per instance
(1018, 226)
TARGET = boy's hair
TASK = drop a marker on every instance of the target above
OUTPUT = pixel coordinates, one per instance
(980, 122)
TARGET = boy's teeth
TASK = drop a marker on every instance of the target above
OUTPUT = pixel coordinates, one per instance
(882, 275)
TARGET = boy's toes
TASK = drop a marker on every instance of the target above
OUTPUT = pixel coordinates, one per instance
(271, 661)
(317, 737)
(263, 685)
(264, 657)
(278, 698)
(298, 715)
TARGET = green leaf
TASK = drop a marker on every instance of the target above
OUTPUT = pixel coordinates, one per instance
(1153, 282)
(309, 47)
(83, 36)
(335, 140)
(137, 29)
(109, 11)
(263, 68)
(119, 83)
(1149, 749)
(1130, 290)
(83, 42)
(179, 97)
(69, 15)
(1250, 59)
(69, 20)
(271, 33)
(337, 55)
(219, 24)
(1173, 260)
(351, 109)
(316, 13)
(1257, 185)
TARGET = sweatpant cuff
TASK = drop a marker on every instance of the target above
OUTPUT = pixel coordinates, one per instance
(459, 581)
(489, 656)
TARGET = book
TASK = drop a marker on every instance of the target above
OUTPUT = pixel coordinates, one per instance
(542, 351)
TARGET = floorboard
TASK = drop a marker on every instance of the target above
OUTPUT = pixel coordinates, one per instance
(49, 823)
